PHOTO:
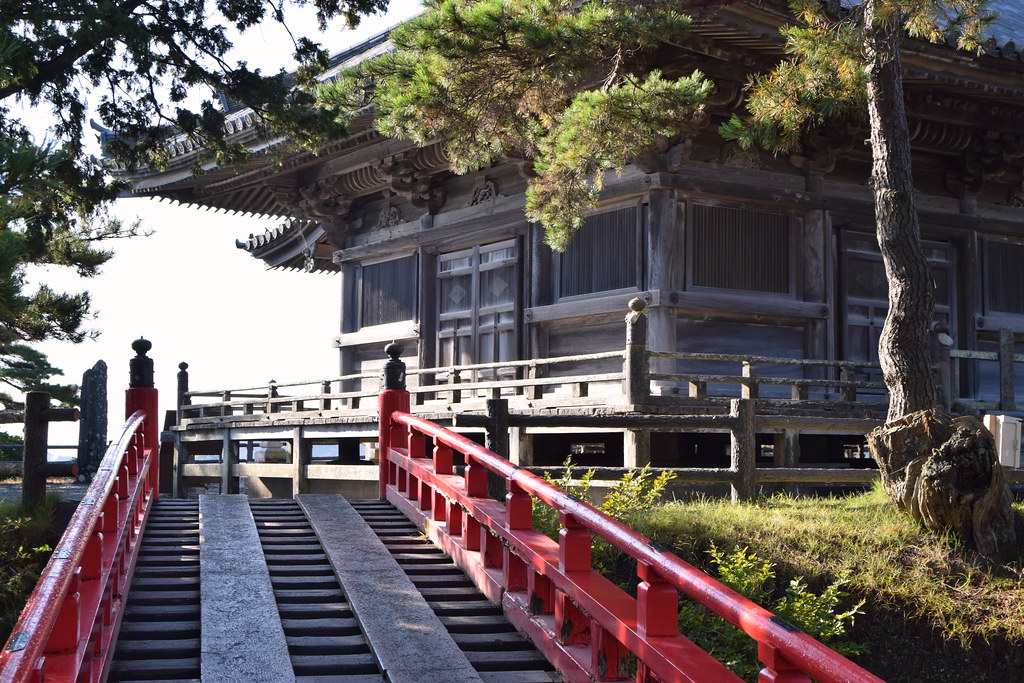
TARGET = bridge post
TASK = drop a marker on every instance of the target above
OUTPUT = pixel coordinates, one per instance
(142, 395)
(393, 397)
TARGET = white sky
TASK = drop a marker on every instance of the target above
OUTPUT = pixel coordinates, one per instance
(198, 298)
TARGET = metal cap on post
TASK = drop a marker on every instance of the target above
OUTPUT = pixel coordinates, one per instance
(394, 369)
(140, 368)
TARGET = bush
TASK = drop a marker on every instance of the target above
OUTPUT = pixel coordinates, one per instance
(10, 454)
(24, 550)
(819, 615)
(626, 500)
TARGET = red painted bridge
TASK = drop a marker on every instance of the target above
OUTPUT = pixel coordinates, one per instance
(434, 581)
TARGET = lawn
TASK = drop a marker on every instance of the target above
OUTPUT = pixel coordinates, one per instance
(928, 609)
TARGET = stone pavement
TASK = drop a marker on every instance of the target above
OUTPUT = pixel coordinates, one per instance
(68, 488)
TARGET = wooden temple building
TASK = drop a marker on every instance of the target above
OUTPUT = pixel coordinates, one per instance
(737, 254)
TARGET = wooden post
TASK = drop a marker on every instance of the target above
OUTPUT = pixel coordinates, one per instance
(636, 448)
(1007, 397)
(743, 444)
(33, 478)
(522, 454)
(325, 388)
(496, 441)
(272, 406)
(787, 453)
(456, 378)
(183, 398)
(749, 387)
(228, 458)
(636, 383)
(847, 393)
(534, 392)
(299, 460)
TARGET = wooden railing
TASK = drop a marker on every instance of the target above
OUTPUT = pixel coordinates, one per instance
(623, 378)
(33, 469)
(69, 625)
(742, 423)
(1004, 358)
(586, 625)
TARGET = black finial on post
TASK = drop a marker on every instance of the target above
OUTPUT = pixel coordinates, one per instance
(394, 369)
(183, 399)
(140, 368)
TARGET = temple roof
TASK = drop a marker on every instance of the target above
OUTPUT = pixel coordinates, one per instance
(293, 187)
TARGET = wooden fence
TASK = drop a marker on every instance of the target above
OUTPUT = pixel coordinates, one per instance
(624, 381)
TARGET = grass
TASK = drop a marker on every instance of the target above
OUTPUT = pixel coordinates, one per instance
(25, 538)
(913, 582)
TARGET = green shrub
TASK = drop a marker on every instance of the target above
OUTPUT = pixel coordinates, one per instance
(24, 549)
(817, 614)
(10, 454)
(626, 500)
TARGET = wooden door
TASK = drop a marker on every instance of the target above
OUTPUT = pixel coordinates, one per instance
(477, 304)
(864, 293)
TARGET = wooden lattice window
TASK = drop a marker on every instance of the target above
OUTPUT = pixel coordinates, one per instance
(604, 254)
(1004, 277)
(741, 249)
(388, 291)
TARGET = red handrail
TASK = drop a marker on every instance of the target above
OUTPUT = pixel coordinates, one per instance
(583, 609)
(68, 627)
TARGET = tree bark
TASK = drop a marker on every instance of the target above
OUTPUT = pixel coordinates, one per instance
(903, 345)
(944, 472)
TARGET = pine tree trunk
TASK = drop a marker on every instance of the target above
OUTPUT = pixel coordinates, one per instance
(945, 473)
(903, 346)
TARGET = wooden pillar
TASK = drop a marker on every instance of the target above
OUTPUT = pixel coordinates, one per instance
(742, 451)
(787, 453)
(664, 273)
(300, 458)
(33, 478)
(177, 485)
(636, 378)
(228, 463)
(816, 283)
(636, 448)
(1007, 394)
(426, 347)
(524, 442)
(497, 442)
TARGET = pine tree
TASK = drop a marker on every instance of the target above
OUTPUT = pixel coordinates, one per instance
(568, 88)
(137, 63)
(561, 85)
(844, 56)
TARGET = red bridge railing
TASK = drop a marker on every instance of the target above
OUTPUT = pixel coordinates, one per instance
(586, 625)
(68, 628)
